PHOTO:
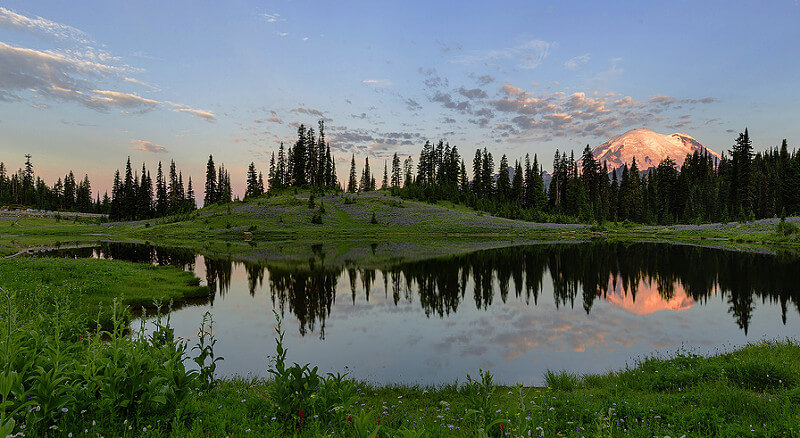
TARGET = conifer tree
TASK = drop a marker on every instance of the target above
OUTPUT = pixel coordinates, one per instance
(211, 182)
(252, 182)
(396, 171)
(352, 183)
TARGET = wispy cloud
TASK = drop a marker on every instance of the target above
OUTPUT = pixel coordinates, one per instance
(377, 82)
(80, 74)
(272, 18)
(147, 146)
(207, 116)
(576, 62)
(141, 83)
(527, 55)
(12, 20)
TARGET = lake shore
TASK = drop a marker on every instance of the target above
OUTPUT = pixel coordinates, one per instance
(272, 222)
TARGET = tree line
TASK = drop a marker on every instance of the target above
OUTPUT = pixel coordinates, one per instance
(740, 185)
(134, 196)
(25, 188)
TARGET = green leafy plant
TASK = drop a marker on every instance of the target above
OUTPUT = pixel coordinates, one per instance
(206, 360)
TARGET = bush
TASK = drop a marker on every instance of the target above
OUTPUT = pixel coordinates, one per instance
(786, 229)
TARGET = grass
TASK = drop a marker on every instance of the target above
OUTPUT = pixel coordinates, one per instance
(749, 392)
(90, 286)
(286, 217)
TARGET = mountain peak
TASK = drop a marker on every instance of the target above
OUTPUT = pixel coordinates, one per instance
(649, 148)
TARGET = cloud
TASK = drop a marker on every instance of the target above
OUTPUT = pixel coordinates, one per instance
(576, 62)
(512, 91)
(475, 93)
(447, 101)
(412, 104)
(377, 82)
(147, 146)
(272, 18)
(662, 100)
(703, 100)
(528, 55)
(370, 141)
(311, 112)
(127, 101)
(12, 20)
(613, 72)
(208, 116)
(141, 83)
(80, 75)
(432, 78)
(485, 79)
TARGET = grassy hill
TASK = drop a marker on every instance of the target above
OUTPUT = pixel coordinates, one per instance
(342, 215)
(288, 216)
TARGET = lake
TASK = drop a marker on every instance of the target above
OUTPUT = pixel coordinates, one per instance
(517, 311)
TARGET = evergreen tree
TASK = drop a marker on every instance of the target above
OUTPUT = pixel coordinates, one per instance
(503, 179)
(477, 173)
(517, 185)
(352, 183)
(252, 182)
(190, 199)
(396, 171)
(280, 170)
(211, 181)
(366, 177)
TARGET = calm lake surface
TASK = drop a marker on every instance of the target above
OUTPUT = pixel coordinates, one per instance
(588, 307)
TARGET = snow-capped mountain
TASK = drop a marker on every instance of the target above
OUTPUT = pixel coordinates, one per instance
(649, 148)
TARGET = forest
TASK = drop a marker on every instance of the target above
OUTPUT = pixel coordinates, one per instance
(742, 185)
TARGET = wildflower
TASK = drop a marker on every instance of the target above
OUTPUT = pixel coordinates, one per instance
(247, 430)
(64, 410)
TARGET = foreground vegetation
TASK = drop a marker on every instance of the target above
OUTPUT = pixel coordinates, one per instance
(57, 379)
(63, 371)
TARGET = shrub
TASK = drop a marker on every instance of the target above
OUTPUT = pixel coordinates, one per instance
(786, 229)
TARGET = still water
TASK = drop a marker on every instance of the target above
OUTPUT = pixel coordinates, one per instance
(518, 311)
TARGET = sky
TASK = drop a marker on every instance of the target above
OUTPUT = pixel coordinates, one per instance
(84, 85)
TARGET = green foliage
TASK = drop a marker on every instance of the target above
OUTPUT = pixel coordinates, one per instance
(206, 360)
(787, 229)
(54, 374)
(562, 381)
(299, 392)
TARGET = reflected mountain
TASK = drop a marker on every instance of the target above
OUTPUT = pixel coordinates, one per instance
(649, 298)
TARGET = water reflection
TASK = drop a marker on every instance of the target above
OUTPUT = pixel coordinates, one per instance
(641, 278)
(517, 310)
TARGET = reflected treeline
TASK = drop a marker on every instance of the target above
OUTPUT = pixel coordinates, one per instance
(133, 252)
(580, 274)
